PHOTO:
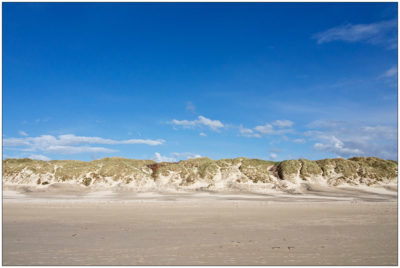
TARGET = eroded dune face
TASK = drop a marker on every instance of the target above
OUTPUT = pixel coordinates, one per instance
(200, 174)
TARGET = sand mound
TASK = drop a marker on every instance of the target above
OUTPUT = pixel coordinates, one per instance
(201, 174)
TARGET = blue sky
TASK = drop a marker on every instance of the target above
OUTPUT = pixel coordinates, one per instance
(171, 81)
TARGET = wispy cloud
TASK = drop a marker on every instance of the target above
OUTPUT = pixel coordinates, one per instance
(284, 126)
(174, 157)
(346, 139)
(265, 129)
(378, 33)
(390, 76)
(273, 156)
(22, 133)
(392, 72)
(190, 107)
(69, 144)
(326, 124)
(247, 132)
(16, 142)
(299, 140)
(201, 121)
(161, 158)
(62, 149)
(185, 155)
(72, 139)
(332, 144)
(283, 123)
(278, 127)
(39, 157)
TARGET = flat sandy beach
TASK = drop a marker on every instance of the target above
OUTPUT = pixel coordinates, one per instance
(198, 231)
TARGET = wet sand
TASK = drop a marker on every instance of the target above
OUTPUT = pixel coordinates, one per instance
(198, 232)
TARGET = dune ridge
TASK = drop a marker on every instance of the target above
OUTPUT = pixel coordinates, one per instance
(202, 174)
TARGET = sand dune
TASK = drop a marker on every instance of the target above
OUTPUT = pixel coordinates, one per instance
(201, 174)
(200, 212)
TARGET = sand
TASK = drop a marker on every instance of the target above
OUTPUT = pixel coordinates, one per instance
(197, 231)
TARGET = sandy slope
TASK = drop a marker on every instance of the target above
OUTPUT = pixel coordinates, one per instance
(195, 230)
(303, 192)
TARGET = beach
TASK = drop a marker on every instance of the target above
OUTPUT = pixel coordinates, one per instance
(198, 231)
(184, 134)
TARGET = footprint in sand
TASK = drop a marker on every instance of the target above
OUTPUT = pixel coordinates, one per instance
(276, 247)
(290, 248)
(236, 243)
(74, 235)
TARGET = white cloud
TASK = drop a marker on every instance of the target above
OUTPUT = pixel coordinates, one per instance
(201, 121)
(71, 139)
(39, 120)
(160, 158)
(381, 132)
(389, 77)
(185, 155)
(39, 157)
(326, 124)
(174, 157)
(379, 33)
(336, 146)
(61, 149)
(299, 141)
(265, 129)
(185, 123)
(22, 133)
(273, 156)
(392, 72)
(346, 139)
(284, 126)
(283, 123)
(15, 142)
(203, 134)
(247, 132)
(68, 144)
(213, 124)
(268, 129)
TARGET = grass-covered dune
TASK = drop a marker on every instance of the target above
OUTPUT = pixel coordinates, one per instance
(200, 173)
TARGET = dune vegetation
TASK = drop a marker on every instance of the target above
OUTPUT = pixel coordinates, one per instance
(200, 173)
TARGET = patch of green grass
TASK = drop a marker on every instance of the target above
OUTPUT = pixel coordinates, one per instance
(288, 169)
(257, 170)
(309, 169)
